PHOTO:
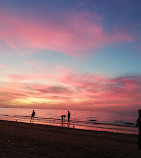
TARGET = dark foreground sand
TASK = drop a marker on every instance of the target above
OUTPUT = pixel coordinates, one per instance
(18, 140)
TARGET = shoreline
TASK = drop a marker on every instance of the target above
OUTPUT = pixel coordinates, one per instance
(119, 123)
(105, 127)
(18, 139)
(73, 128)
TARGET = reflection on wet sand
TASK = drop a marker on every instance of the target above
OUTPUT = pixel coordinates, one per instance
(65, 124)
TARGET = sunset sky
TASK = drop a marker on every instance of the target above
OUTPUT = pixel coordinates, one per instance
(70, 54)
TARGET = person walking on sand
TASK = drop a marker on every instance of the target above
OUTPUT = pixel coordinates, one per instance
(32, 115)
(69, 116)
(139, 126)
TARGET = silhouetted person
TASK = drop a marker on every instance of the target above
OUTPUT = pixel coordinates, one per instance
(63, 117)
(139, 126)
(32, 115)
(69, 116)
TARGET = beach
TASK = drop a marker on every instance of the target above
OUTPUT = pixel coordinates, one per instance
(33, 140)
(119, 122)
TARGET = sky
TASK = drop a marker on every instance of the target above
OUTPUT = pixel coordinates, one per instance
(70, 54)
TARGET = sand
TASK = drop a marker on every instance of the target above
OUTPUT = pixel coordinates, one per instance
(18, 140)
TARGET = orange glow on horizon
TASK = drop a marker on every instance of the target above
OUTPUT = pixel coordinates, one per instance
(27, 101)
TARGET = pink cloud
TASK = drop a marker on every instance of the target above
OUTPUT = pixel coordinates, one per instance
(81, 91)
(52, 75)
(81, 33)
(2, 66)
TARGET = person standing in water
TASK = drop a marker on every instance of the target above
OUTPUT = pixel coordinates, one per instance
(69, 116)
(32, 115)
(139, 126)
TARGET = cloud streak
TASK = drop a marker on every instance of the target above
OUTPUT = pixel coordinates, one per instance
(80, 34)
(79, 91)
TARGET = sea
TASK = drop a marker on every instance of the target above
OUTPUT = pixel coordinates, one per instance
(118, 122)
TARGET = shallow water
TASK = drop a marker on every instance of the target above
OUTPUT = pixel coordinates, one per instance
(120, 122)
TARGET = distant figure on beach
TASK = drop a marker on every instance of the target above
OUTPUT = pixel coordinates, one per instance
(32, 115)
(63, 117)
(69, 116)
(139, 126)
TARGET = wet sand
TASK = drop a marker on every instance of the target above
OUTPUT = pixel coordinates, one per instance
(18, 140)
